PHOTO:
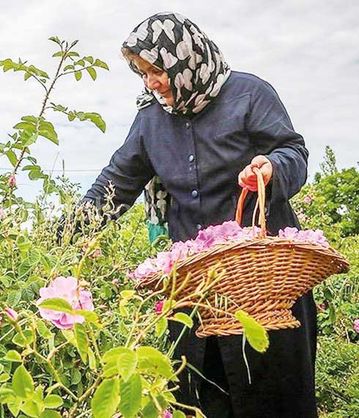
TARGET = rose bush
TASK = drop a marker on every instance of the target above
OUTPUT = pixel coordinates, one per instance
(331, 202)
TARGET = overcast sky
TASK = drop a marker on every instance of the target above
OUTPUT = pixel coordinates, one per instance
(307, 49)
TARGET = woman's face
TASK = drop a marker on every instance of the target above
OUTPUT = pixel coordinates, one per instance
(155, 79)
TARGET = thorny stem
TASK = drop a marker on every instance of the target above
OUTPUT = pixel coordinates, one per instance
(83, 397)
(89, 249)
(47, 95)
(190, 408)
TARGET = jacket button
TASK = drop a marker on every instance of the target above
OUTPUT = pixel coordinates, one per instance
(199, 226)
(194, 193)
(188, 125)
(191, 158)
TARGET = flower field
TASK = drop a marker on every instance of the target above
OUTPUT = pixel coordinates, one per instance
(77, 339)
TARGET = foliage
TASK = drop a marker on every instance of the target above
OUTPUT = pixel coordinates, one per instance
(331, 203)
(17, 149)
(338, 378)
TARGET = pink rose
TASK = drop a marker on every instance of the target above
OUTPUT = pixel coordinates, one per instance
(167, 414)
(11, 314)
(96, 254)
(144, 269)
(12, 181)
(159, 307)
(308, 200)
(65, 288)
(356, 325)
(288, 232)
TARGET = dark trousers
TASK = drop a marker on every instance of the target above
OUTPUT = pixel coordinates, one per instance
(282, 378)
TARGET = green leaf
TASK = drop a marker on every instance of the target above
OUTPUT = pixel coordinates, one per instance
(69, 67)
(7, 395)
(183, 319)
(120, 361)
(25, 339)
(255, 333)
(73, 54)
(32, 408)
(89, 59)
(78, 75)
(29, 118)
(178, 414)
(13, 356)
(161, 327)
(26, 126)
(22, 383)
(23, 243)
(127, 294)
(11, 157)
(4, 377)
(50, 414)
(57, 304)
(53, 401)
(98, 121)
(47, 130)
(13, 298)
(150, 410)
(101, 64)
(92, 360)
(153, 362)
(69, 336)
(14, 407)
(106, 398)
(131, 395)
(55, 39)
(58, 54)
(89, 316)
(43, 330)
(81, 341)
(92, 73)
(30, 140)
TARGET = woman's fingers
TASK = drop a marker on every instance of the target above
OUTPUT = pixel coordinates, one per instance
(247, 177)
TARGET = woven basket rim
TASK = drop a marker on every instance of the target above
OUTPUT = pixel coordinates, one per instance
(273, 241)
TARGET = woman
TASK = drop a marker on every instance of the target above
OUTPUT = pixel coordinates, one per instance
(201, 128)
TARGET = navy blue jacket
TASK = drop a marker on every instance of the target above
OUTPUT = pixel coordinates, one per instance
(198, 161)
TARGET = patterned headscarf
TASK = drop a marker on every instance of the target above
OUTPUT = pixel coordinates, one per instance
(194, 64)
(196, 70)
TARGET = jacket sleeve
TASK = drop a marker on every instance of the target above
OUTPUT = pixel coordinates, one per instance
(273, 135)
(128, 172)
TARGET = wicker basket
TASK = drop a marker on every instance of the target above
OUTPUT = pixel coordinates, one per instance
(263, 277)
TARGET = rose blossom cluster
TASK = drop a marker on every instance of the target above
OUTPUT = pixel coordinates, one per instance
(65, 288)
(206, 238)
(216, 234)
(314, 237)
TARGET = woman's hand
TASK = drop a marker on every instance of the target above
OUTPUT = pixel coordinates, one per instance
(248, 179)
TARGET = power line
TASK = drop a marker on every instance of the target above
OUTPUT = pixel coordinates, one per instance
(63, 171)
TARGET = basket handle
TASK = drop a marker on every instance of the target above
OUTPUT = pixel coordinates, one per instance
(260, 204)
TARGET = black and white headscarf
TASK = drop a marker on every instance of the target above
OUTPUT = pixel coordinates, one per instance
(196, 71)
(194, 64)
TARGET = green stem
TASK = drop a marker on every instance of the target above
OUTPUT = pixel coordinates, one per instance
(83, 397)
